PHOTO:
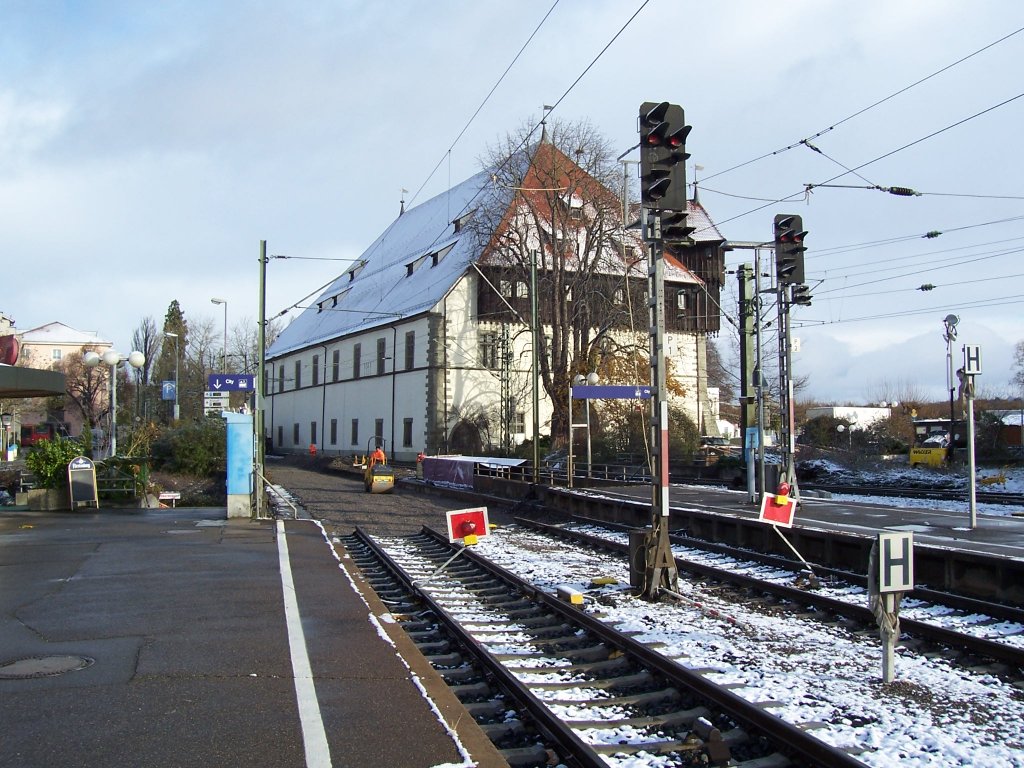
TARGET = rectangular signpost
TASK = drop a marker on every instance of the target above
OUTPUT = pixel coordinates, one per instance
(890, 575)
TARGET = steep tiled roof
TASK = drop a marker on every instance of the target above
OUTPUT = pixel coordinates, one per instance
(418, 259)
(406, 271)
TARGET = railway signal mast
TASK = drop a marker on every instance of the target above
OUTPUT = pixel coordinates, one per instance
(663, 155)
(792, 290)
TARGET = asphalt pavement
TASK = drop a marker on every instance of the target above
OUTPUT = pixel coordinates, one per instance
(162, 637)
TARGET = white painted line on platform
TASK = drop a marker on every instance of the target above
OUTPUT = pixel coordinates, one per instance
(314, 737)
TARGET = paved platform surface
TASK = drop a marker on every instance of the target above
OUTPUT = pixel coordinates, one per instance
(178, 619)
(941, 525)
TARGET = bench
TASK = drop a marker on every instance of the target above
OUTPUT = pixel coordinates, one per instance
(171, 496)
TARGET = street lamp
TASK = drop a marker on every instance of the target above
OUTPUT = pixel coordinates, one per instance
(112, 358)
(224, 353)
(951, 322)
(168, 334)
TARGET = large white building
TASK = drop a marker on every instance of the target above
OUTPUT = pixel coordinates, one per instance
(425, 341)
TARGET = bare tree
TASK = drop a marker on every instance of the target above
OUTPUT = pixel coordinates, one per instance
(554, 199)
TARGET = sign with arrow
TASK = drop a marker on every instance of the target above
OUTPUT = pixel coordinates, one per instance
(231, 382)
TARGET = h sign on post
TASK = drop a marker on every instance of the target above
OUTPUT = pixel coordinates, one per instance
(895, 562)
(972, 360)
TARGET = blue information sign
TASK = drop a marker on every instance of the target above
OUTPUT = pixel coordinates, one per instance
(167, 390)
(612, 392)
(231, 382)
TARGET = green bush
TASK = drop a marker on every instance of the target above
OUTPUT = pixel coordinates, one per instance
(49, 460)
(198, 448)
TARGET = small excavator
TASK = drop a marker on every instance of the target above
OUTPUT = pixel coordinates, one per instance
(379, 476)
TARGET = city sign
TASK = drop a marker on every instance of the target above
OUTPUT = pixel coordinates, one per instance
(231, 382)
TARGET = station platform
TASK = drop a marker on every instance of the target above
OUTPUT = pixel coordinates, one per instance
(941, 524)
(176, 637)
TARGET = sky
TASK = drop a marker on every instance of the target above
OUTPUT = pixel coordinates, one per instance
(147, 149)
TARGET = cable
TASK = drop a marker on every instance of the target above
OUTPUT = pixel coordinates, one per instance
(860, 112)
(996, 302)
(904, 238)
(486, 99)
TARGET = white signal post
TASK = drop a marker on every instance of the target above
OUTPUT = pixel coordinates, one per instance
(972, 368)
(890, 575)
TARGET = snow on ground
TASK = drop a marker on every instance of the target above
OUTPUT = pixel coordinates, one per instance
(816, 675)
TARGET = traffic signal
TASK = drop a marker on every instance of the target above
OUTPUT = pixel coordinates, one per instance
(663, 132)
(673, 227)
(789, 249)
(801, 295)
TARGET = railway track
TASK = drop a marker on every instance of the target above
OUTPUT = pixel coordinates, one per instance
(996, 631)
(585, 694)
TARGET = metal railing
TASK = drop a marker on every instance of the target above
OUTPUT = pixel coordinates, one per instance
(267, 484)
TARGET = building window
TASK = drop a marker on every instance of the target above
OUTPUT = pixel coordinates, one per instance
(382, 351)
(280, 437)
(334, 431)
(357, 354)
(335, 364)
(295, 434)
(505, 288)
(312, 432)
(519, 422)
(55, 354)
(316, 372)
(298, 374)
(378, 430)
(619, 297)
(355, 431)
(489, 350)
(521, 290)
(280, 378)
(681, 300)
(407, 433)
(410, 350)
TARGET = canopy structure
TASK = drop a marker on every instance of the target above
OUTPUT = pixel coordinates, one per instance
(30, 382)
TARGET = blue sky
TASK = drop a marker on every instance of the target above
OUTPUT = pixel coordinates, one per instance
(145, 149)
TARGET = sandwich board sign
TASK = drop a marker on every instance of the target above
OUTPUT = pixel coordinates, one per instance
(82, 482)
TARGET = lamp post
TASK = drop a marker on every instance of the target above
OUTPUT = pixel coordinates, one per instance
(6, 419)
(168, 334)
(224, 353)
(951, 322)
(112, 358)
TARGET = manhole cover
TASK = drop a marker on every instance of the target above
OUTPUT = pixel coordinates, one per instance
(42, 666)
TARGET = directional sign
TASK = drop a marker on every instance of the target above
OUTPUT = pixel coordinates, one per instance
(231, 382)
(895, 562)
(612, 392)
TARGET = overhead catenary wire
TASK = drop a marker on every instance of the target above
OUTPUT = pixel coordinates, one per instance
(869, 107)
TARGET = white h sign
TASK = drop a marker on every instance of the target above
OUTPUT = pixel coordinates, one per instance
(972, 359)
(895, 562)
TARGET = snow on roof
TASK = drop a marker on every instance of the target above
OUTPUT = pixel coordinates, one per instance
(419, 258)
(58, 333)
(704, 229)
(405, 272)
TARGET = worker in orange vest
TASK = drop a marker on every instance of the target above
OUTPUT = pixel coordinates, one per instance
(378, 457)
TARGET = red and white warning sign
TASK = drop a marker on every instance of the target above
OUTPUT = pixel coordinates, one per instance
(467, 525)
(778, 509)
